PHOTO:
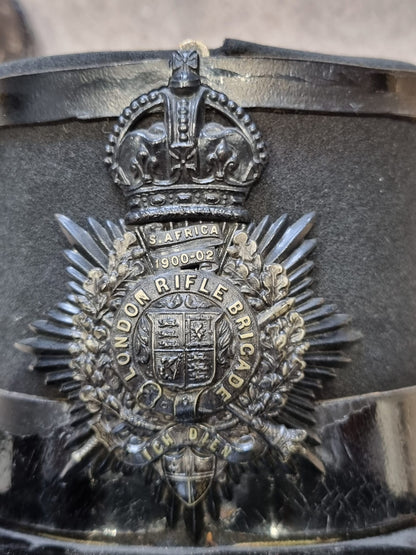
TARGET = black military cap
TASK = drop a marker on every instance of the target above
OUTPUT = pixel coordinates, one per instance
(230, 363)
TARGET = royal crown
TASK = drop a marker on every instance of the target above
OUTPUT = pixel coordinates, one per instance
(198, 162)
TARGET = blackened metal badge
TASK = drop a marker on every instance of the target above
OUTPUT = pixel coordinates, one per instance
(191, 344)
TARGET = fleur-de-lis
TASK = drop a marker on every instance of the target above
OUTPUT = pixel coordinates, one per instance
(223, 159)
(143, 164)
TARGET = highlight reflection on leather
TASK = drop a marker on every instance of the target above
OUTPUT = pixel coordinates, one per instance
(91, 92)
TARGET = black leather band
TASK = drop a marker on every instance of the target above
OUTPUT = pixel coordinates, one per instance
(369, 487)
(95, 92)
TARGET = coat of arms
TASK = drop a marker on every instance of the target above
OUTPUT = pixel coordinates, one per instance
(191, 343)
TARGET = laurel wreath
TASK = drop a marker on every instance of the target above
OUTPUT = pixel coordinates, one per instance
(102, 391)
(282, 339)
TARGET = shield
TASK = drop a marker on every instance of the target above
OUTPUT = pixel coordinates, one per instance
(184, 347)
(189, 474)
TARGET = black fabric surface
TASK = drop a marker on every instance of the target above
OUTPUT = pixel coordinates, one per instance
(356, 172)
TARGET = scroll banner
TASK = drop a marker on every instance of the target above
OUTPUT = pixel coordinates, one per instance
(199, 437)
(183, 247)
